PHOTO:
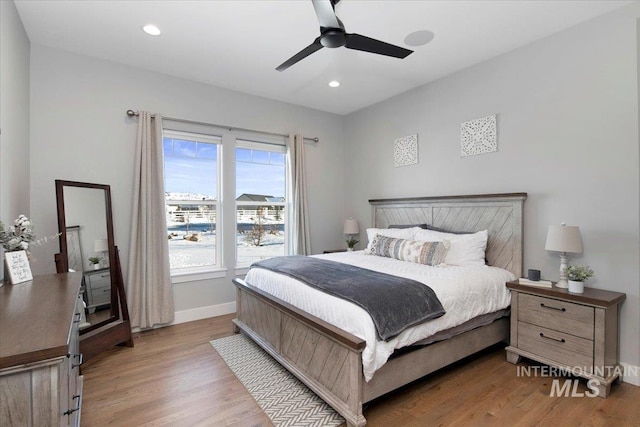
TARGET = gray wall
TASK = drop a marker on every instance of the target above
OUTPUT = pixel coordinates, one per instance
(14, 114)
(80, 132)
(567, 111)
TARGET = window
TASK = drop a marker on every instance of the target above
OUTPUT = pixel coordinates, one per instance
(261, 187)
(192, 189)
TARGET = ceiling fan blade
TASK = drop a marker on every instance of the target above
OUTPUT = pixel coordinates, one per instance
(313, 47)
(325, 13)
(358, 42)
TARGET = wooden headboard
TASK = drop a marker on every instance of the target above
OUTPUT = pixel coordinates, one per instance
(500, 214)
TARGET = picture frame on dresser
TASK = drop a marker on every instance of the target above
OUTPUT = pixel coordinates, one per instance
(17, 267)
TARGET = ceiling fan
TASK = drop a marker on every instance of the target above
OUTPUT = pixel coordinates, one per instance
(333, 34)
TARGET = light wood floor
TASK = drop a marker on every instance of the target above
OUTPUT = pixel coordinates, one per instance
(173, 377)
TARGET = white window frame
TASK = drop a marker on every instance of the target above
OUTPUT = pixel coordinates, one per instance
(277, 148)
(215, 270)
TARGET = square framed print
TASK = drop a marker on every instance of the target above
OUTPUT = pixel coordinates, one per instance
(478, 136)
(17, 266)
(405, 151)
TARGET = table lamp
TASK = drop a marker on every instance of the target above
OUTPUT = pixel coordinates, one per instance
(351, 229)
(564, 239)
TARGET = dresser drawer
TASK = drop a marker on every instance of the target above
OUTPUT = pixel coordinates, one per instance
(564, 349)
(562, 316)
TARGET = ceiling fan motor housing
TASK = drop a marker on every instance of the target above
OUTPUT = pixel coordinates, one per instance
(333, 37)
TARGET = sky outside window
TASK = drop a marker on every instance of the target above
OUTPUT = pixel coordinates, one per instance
(260, 172)
(190, 167)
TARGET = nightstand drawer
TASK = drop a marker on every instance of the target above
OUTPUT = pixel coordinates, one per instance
(564, 349)
(563, 316)
(101, 296)
(99, 280)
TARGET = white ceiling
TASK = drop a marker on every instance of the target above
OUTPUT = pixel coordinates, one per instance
(237, 44)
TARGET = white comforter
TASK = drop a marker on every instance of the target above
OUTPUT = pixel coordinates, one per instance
(465, 292)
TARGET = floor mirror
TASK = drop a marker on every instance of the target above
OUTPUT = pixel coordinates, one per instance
(87, 244)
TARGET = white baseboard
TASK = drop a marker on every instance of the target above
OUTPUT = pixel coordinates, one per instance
(203, 312)
(196, 314)
(631, 374)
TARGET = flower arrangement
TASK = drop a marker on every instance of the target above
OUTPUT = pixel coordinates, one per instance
(352, 242)
(20, 235)
(94, 260)
(579, 273)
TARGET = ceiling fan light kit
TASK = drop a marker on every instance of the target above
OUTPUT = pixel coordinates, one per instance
(333, 35)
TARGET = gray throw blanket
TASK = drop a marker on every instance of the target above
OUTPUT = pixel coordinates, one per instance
(394, 303)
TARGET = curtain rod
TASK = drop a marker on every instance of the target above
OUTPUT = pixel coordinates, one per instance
(132, 113)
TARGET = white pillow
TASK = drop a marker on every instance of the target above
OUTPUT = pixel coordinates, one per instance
(396, 233)
(465, 249)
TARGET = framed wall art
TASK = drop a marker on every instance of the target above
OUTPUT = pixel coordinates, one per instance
(405, 151)
(478, 136)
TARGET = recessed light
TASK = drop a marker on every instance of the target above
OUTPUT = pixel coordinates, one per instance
(419, 38)
(334, 83)
(151, 30)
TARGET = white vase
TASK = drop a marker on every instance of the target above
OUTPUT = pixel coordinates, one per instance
(96, 266)
(349, 249)
(576, 287)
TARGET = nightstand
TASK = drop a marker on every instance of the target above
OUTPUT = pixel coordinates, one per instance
(333, 251)
(97, 285)
(573, 332)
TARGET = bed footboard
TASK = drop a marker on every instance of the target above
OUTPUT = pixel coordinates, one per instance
(325, 358)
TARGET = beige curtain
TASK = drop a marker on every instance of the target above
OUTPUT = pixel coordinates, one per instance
(149, 281)
(301, 238)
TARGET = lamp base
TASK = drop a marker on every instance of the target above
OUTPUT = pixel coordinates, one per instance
(563, 283)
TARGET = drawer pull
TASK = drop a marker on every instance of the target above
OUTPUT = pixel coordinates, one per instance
(71, 411)
(79, 356)
(552, 308)
(77, 317)
(551, 338)
(77, 408)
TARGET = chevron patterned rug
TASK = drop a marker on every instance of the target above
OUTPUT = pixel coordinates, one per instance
(286, 401)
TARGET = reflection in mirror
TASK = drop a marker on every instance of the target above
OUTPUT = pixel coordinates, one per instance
(87, 245)
(85, 217)
(85, 209)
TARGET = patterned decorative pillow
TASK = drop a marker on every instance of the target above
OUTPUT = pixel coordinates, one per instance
(428, 253)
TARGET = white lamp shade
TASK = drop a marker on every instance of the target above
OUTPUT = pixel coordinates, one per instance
(564, 238)
(100, 245)
(351, 226)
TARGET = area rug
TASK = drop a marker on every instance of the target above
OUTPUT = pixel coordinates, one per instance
(285, 400)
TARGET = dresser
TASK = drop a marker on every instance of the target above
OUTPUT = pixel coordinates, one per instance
(577, 333)
(40, 381)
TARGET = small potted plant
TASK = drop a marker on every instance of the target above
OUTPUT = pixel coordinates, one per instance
(578, 274)
(95, 262)
(351, 243)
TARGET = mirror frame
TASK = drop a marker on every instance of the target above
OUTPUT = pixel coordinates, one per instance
(116, 329)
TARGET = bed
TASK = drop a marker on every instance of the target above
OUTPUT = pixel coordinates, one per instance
(329, 360)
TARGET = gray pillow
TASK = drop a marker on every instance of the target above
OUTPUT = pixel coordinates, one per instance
(442, 230)
(424, 226)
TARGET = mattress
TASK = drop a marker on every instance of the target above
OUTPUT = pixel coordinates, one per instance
(465, 293)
